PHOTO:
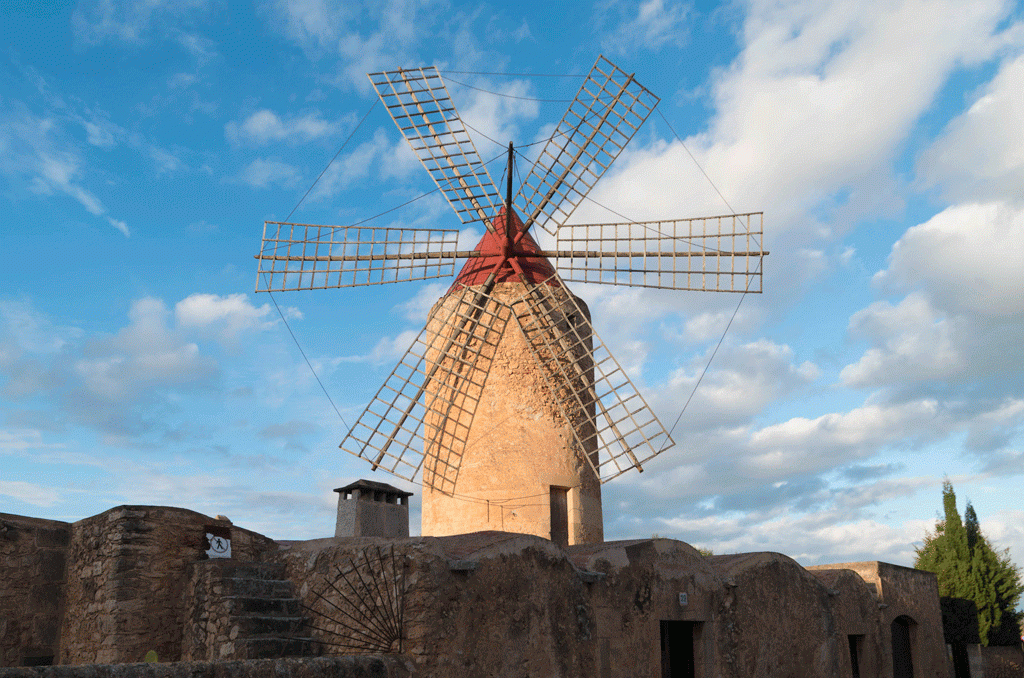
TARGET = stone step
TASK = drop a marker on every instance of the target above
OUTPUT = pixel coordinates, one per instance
(257, 588)
(270, 647)
(255, 625)
(246, 605)
(231, 569)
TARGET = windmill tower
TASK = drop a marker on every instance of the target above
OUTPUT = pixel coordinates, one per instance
(508, 405)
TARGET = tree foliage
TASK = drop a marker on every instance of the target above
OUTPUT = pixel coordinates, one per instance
(968, 567)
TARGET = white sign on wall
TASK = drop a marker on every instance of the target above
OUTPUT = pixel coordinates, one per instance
(220, 547)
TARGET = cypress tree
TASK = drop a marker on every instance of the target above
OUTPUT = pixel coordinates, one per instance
(968, 567)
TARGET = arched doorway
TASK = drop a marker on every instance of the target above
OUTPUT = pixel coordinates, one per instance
(902, 654)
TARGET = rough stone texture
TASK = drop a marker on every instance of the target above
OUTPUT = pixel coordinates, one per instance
(242, 610)
(1002, 662)
(905, 592)
(640, 589)
(33, 564)
(126, 575)
(519, 444)
(462, 606)
(319, 667)
(499, 604)
(360, 516)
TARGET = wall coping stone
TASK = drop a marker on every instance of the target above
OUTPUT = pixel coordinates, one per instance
(348, 666)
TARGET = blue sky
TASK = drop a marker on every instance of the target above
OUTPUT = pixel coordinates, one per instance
(143, 144)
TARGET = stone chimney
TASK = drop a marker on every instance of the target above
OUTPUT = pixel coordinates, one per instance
(371, 509)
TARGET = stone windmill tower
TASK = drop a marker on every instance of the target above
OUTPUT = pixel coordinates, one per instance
(508, 405)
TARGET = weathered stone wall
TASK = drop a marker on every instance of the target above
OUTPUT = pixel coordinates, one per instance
(1003, 662)
(640, 588)
(484, 604)
(778, 620)
(906, 592)
(498, 604)
(319, 667)
(33, 558)
(855, 607)
(360, 516)
(126, 574)
(242, 610)
(514, 435)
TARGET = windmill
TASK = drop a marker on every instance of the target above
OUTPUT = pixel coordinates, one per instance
(508, 405)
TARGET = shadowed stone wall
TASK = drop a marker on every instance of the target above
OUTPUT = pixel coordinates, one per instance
(319, 667)
(33, 561)
(909, 593)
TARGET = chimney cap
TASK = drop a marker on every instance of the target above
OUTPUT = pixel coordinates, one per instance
(373, 486)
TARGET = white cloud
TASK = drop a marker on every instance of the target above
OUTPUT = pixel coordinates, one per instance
(496, 115)
(811, 539)
(376, 157)
(96, 21)
(326, 26)
(802, 445)
(980, 154)
(35, 153)
(917, 343)
(648, 23)
(314, 24)
(968, 257)
(741, 382)
(265, 126)
(791, 133)
(962, 319)
(29, 493)
(228, 316)
(264, 172)
(143, 355)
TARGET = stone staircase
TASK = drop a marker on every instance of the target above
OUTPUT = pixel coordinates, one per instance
(245, 610)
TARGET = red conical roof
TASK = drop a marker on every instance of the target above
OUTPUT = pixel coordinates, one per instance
(537, 269)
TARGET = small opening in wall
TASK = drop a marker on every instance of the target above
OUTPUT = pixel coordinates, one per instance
(560, 515)
(44, 660)
(856, 647)
(902, 652)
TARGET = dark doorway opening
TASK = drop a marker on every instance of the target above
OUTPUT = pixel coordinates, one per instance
(961, 662)
(560, 515)
(902, 659)
(856, 645)
(41, 660)
(677, 655)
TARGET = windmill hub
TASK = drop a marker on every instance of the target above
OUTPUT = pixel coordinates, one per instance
(491, 247)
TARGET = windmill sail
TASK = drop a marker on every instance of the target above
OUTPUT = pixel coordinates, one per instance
(611, 420)
(717, 254)
(421, 415)
(604, 116)
(307, 257)
(418, 101)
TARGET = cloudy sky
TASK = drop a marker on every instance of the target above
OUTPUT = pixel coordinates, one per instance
(143, 143)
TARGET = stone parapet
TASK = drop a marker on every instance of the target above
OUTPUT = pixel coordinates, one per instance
(318, 667)
(33, 565)
(127, 572)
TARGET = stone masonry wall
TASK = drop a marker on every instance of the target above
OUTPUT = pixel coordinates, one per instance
(320, 667)
(904, 591)
(127, 571)
(33, 557)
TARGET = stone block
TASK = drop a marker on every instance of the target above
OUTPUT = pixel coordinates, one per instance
(53, 538)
